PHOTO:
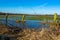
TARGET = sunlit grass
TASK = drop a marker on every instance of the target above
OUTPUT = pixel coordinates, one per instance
(43, 34)
(34, 34)
(42, 17)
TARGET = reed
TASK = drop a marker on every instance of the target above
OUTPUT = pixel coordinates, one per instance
(43, 34)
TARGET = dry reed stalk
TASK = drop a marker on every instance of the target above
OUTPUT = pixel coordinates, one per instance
(44, 34)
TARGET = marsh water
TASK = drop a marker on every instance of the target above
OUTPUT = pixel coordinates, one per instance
(27, 24)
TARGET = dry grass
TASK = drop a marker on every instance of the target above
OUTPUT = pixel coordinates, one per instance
(3, 29)
(43, 34)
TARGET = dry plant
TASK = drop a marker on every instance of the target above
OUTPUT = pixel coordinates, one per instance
(43, 34)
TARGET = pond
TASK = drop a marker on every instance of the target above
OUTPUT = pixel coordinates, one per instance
(27, 24)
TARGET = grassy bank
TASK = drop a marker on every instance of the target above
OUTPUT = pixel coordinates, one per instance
(30, 17)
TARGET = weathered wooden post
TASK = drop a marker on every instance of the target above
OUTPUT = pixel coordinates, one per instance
(55, 17)
(54, 23)
(6, 19)
(23, 17)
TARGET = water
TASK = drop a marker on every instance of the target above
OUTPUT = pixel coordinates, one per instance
(27, 24)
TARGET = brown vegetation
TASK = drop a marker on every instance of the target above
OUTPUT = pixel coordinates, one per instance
(28, 34)
(44, 34)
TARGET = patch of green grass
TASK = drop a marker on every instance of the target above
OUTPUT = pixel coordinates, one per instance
(29, 17)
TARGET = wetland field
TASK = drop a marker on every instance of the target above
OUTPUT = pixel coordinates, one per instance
(33, 27)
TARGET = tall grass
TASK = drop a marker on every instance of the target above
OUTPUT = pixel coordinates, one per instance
(43, 34)
(33, 34)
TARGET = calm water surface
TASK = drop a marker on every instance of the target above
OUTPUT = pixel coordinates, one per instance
(27, 24)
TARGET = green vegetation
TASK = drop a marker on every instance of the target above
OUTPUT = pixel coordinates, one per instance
(31, 17)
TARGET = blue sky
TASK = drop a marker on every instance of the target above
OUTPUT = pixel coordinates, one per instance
(30, 6)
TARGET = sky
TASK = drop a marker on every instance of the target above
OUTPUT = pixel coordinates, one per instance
(30, 6)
